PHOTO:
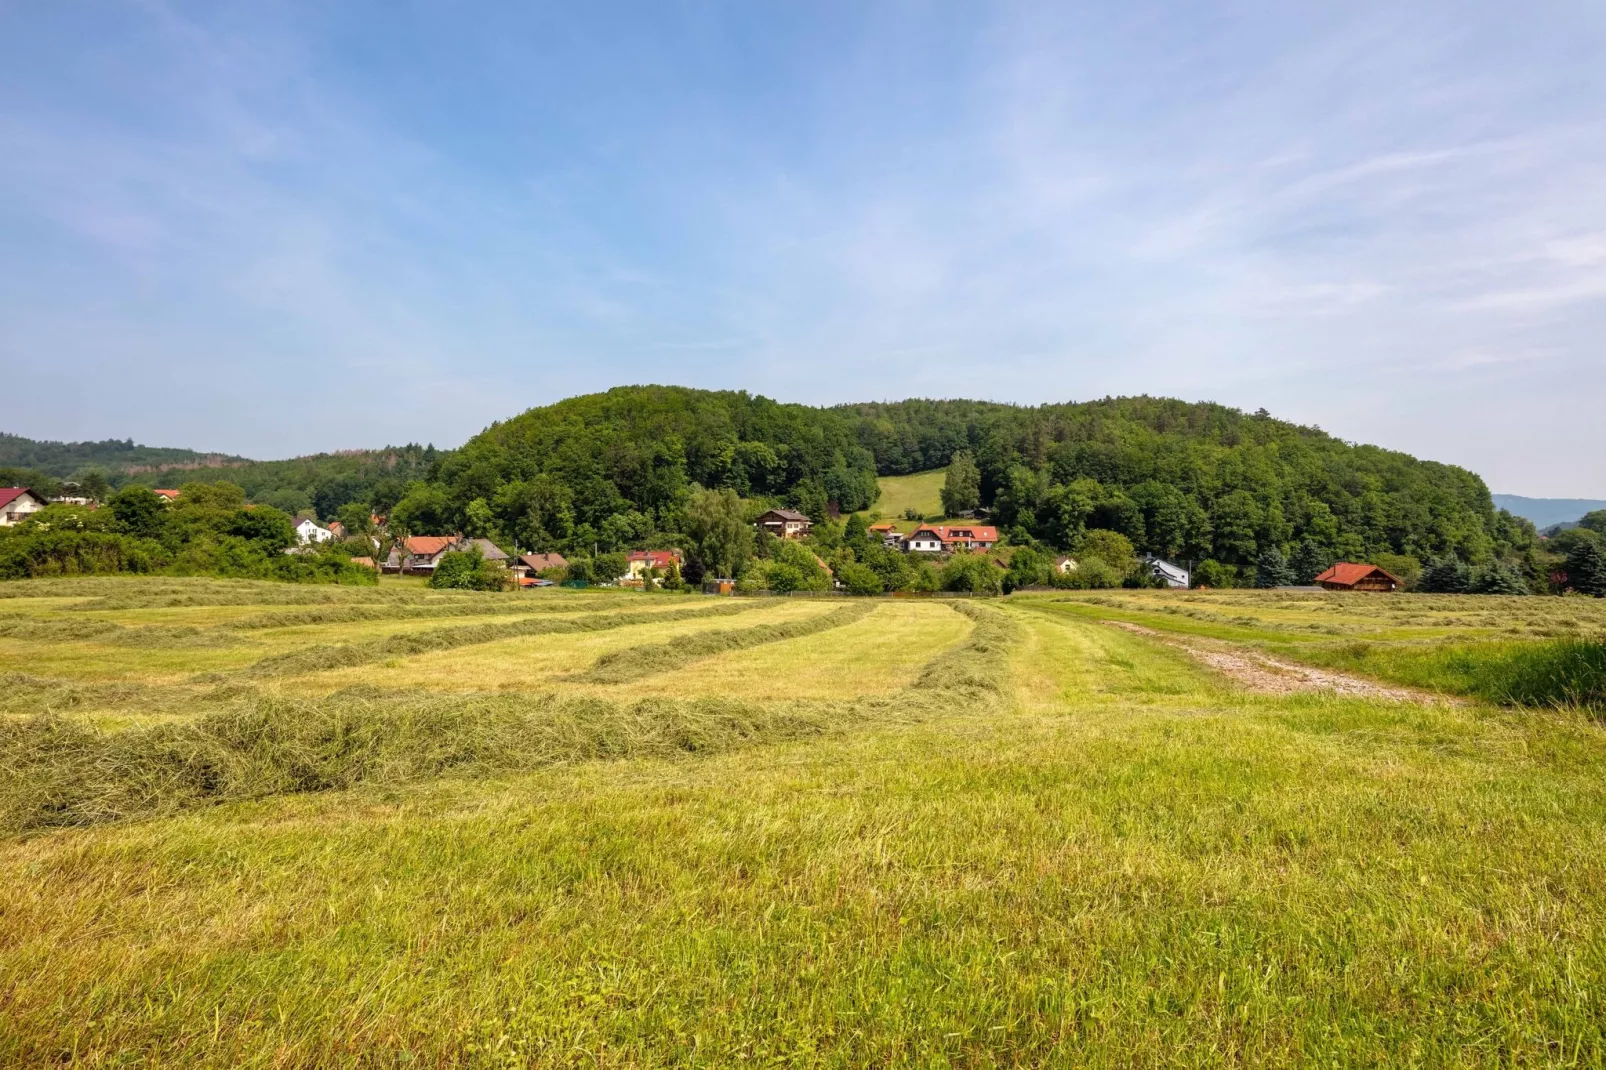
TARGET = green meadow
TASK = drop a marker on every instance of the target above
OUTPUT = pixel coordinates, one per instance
(263, 825)
(921, 492)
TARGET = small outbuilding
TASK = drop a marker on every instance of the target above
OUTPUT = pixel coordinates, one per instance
(1350, 576)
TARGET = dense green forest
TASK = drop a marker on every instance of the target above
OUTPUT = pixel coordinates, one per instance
(1200, 483)
(612, 469)
(1193, 480)
(63, 460)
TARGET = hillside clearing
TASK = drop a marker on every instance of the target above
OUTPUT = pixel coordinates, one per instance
(921, 492)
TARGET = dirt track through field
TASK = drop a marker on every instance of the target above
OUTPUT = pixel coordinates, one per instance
(1266, 675)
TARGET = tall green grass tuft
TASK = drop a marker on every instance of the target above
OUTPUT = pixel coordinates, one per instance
(1557, 672)
(649, 659)
(1562, 672)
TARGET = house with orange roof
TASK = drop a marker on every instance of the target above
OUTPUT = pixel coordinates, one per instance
(165, 494)
(949, 538)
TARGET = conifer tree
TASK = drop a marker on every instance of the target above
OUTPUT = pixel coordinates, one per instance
(1498, 579)
(1586, 569)
(1271, 569)
(1308, 561)
(1445, 575)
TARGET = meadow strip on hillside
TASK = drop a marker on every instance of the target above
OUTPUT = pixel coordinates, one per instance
(339, 656)
(648, 659)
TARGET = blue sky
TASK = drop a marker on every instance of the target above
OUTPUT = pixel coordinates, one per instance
(274, 228)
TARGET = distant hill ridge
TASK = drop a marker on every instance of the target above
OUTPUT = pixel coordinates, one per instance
(64, 459)
(1548, 512)
(1184, 480)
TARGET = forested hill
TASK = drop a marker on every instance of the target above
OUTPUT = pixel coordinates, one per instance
(1192, 480)
(1183, 480)
(64, 459)
(613, 468)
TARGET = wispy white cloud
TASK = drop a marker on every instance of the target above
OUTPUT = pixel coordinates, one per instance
(377, 223)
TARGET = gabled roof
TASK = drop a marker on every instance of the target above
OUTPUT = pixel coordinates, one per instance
(169, 494)
(657, 558)
(787, 514)
(304, 521)
(11, 494)
(1348, 573)
(884, 526)
(428, 545)
(538, 562)
(488, 549)
(959, 532)
(1167, 569)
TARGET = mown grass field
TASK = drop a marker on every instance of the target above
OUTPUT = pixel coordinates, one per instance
(256, 825)
(921, 492)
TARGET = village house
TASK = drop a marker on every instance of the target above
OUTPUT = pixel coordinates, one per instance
(1348, 576)
(1174, 576)
(527, 567)
(949, 538)
(785, 523)
(639, 561)
(886, 532)
(417, 555)
(1065, 565)
(337, 529)
(488, 550)
(310, 531)
(167, 495)
(16, 503)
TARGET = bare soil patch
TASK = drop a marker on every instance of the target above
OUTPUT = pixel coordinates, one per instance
(1267, 675)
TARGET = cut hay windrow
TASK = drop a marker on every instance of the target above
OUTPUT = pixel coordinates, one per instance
(37, 630)
(345, 655)
(980, 665)
(508, 606)
(650, 659)
(56, 772)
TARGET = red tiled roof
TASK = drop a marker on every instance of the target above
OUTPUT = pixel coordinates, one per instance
(428, 545)
(168, 494)
(1348, 574)
(965, 533)
(11, 494)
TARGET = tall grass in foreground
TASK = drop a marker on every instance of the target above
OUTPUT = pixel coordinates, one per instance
(1557, 673)
(55, 772)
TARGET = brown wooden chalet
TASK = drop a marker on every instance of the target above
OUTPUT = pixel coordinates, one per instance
(785, 523)
(1348, 576)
